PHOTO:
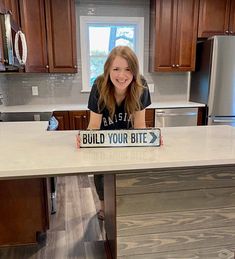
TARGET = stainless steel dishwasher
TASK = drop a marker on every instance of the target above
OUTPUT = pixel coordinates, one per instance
(175, 117)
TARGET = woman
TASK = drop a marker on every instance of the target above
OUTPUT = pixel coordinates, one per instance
(118, 100)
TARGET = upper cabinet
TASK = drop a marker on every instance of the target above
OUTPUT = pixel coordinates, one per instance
(2, 67)
(50, 30)
(11, 6)
(216, 17)
(173, 35)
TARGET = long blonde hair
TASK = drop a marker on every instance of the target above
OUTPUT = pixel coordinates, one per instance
(106, 87)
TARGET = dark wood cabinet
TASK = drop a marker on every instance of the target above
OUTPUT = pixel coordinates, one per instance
(63, 119)
(61, 33)
(79, 120)
(150, 118)
(2, 67)
(216, 17)
(12, 6)
(232, 18)
(72, 120)
(49, 27)
(24, 211)
(173, 35)
(33, 25)
(202, 116)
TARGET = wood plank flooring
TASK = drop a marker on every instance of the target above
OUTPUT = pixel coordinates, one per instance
(75, 231)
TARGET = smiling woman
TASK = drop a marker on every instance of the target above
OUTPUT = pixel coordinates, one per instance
(99, 35)
(118, 99)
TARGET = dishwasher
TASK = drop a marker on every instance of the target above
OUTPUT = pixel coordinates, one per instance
(175, 117)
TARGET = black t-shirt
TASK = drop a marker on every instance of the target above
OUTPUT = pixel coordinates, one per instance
(121, 119)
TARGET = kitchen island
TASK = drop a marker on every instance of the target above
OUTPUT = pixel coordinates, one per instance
(173, 201)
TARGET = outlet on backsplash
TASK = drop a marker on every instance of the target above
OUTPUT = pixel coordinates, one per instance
(35, 90)
(151, 88)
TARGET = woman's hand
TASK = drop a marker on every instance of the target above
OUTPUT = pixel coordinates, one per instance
(78, 140)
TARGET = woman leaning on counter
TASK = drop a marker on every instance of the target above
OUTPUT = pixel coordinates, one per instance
(117, 101)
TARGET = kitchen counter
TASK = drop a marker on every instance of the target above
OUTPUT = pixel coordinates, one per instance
(68, 107)
(35, 152)
(173, 201)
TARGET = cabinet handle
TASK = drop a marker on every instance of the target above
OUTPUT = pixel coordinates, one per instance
(226, 32)
(47, 66)
(75, 66)
(84, 116)
(177, 65)
(231, 32)
(173, 65)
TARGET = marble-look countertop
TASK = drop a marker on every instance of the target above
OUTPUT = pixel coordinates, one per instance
(69, 107)
(28, 150)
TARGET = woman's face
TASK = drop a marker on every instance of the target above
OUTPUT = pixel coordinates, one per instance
(120, 74)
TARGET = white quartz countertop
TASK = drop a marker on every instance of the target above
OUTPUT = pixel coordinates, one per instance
(68, 107)
(28, 150)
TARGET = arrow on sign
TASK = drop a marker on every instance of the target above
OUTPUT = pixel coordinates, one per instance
(154, 137)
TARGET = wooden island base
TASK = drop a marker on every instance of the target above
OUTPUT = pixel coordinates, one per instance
(171, 213)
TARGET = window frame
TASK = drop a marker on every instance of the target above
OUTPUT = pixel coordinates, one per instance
(85, 21)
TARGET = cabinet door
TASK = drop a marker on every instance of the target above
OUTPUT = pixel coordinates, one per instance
(79, 120)
(2, 8)
(232, 18)
(24, 211)
(63, 119)
(173, 35)
(61, 35)
(33, 25)
(162, 35)
(186, 31)
(150, 117)
(213, 17)
(13, 7)
(202, 116)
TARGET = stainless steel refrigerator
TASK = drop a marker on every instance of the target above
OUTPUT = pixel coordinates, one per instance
(213, 81)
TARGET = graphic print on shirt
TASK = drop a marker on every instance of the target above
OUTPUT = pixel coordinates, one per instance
(119, 117)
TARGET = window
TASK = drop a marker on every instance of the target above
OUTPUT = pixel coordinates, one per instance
(99, 35)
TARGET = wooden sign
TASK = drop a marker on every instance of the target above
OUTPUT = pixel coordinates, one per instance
(120, 138)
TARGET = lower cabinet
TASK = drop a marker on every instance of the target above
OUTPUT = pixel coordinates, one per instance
(63, 119)
(202, 116)
(24, 211)
(78, 120)
(72, 120)
(150, 118)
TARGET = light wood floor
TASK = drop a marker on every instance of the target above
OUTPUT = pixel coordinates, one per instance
(75, 231)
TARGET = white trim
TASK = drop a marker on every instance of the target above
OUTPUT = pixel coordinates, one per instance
(84, 35)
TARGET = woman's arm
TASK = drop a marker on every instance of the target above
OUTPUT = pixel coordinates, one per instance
(139, 119)
(95, 120)
(94, 123)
